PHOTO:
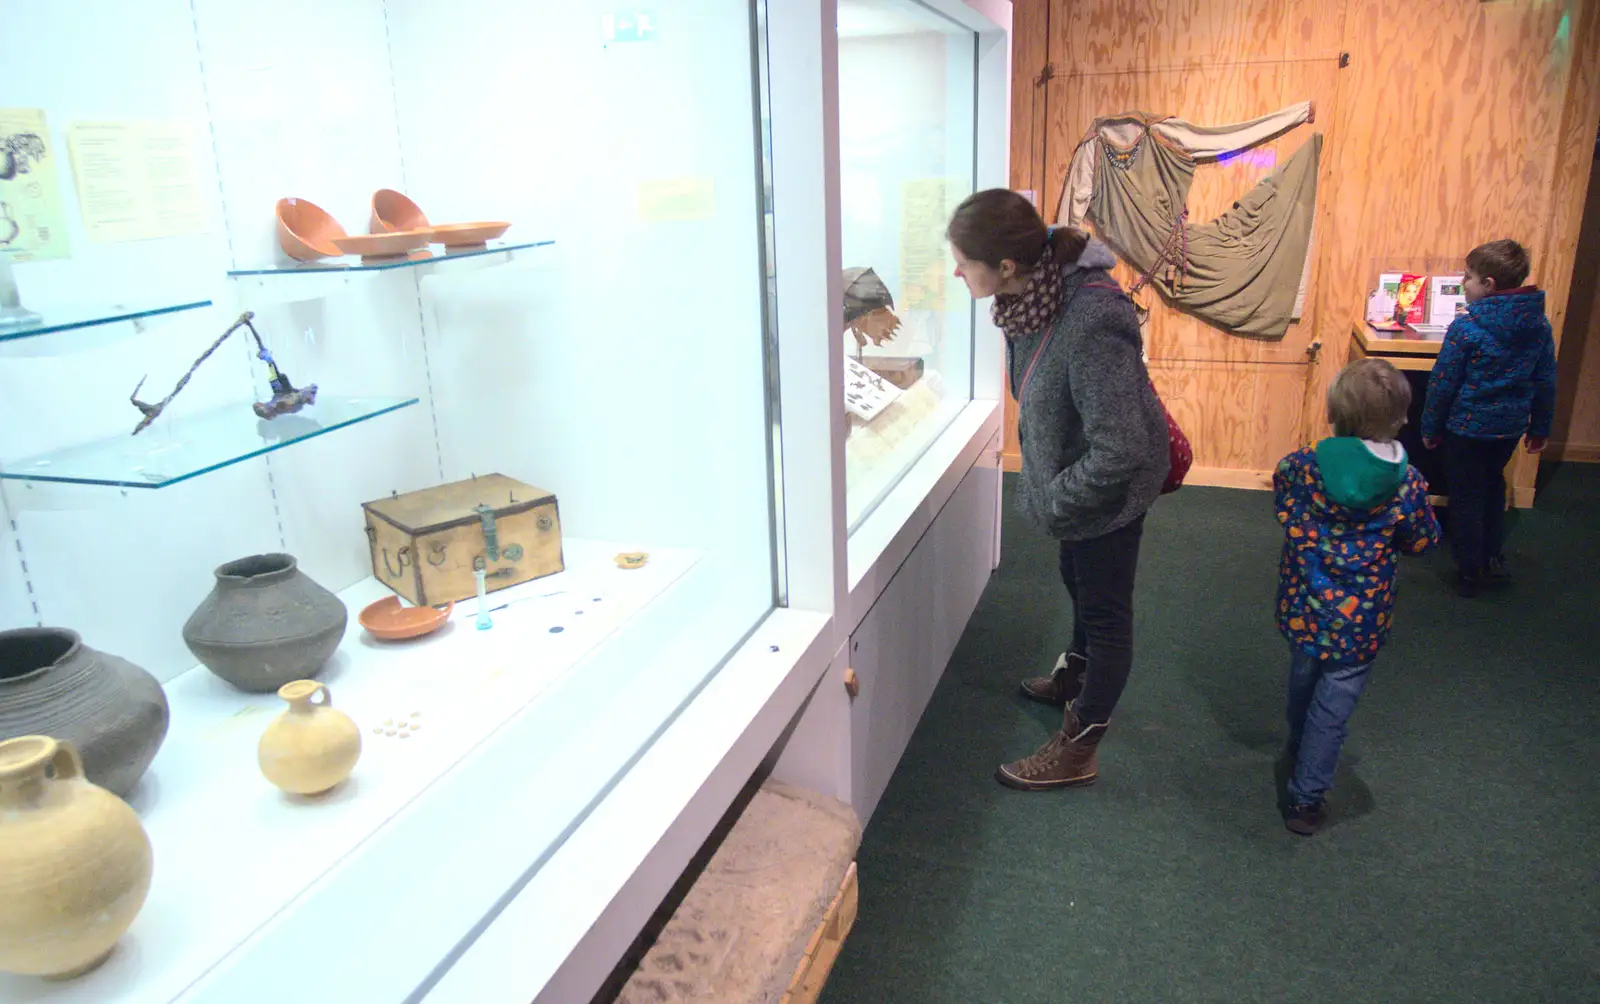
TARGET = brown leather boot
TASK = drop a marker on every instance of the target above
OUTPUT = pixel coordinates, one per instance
(1063, 683)
(1067, 760)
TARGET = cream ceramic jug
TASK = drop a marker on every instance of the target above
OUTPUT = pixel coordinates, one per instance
(74, 862)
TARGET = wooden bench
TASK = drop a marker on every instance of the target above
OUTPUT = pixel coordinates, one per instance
(761, 915)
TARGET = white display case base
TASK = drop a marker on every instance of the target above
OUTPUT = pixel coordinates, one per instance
(232, 852)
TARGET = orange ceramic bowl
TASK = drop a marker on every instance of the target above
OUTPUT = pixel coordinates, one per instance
(392, 245)
(387, 620)
(306, 232)
(392, 211)
(460, 235)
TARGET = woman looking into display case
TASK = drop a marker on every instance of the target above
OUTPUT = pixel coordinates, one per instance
(1094, 444)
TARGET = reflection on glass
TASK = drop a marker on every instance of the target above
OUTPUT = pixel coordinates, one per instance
(70, 319)
(182, 448)
(907, 86)
(351, 263)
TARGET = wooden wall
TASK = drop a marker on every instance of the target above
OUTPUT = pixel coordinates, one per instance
(1577, 429)
(1453, 123)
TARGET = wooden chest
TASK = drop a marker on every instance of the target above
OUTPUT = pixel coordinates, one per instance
(426, 545)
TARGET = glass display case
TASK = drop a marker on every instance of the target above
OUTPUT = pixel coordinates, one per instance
(578, 385)
(907, 150)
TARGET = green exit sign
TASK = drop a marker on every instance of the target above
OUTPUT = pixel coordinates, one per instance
(628, 26)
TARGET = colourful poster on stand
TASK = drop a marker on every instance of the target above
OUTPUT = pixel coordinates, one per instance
(33, 224)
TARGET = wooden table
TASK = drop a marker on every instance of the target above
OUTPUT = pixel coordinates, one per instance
(1414, 355)
(1406, 350)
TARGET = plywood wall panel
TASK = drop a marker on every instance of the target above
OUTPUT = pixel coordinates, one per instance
(1028, 56)
(1577, 427)
(1142, 35)
(1439, 136)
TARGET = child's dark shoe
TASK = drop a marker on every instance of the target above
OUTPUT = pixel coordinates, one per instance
(1063, 683)
(1306, 819)
(1496, 572)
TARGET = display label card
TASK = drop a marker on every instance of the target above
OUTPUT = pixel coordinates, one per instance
(866, 393)
(136, 180)
(924, 213)
(678, 200)
(33, 223)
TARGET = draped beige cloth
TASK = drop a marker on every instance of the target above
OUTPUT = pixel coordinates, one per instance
(1245, 271)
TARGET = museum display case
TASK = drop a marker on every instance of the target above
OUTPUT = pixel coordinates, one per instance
(908, 92)
(407, 363)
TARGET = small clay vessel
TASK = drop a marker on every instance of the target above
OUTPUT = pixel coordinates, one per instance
(387, 620)
(311, 747)
(74, 862)
(467, 235)
(266, 623)
(113, 712)
(632, 559)
(392, 211)
(306, 231)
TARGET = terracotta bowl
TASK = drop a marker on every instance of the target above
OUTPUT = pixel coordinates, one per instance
(466, 235)
(392, 211)
(387, 620)
(379, 246)
(306, 232)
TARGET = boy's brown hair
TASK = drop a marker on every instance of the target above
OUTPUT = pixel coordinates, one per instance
(1369, 399)
(1506, 262)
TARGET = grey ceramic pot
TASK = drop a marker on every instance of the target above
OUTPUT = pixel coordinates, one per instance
(52, 684)
(266, 623)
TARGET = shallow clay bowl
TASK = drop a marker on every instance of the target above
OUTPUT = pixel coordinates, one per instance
(387, 620)
(466, 235)
(306, 232)
(393, 245)
(392, 211)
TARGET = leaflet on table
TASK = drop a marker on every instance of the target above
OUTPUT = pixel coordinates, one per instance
(1446, 299)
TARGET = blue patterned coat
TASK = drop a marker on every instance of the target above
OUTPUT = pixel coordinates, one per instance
(1336, 582)
(1496, 374)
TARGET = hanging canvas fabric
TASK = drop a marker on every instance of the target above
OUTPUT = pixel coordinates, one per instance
(1244, 271)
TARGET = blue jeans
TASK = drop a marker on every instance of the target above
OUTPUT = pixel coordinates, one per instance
(1322, 697)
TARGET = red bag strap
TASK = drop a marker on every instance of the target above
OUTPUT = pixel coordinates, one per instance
(1027, 374)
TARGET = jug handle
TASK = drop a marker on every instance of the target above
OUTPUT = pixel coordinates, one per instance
(66, 764)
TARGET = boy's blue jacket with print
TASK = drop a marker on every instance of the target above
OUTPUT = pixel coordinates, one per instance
(1346, 515)
(1496, 374)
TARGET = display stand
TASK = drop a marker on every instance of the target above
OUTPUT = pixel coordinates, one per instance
(12, 313)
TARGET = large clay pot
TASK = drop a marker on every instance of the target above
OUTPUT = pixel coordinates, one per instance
(266, 623)
(74, 862)
(52, 684)
(311, 747)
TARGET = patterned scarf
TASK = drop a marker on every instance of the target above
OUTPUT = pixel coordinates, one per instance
(1023, 313)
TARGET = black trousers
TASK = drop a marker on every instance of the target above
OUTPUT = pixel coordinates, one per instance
(1476, 469)
(1099, 576)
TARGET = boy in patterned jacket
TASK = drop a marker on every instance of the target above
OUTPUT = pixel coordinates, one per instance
(1348, 506)
(1495, 380)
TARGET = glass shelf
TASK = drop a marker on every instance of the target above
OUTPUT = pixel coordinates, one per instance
(351, 263)
(172, 451)
(67, 320)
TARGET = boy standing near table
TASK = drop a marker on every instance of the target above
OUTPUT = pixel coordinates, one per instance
(1495, 381)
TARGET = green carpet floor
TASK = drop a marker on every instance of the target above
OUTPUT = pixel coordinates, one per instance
(1462, 860)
